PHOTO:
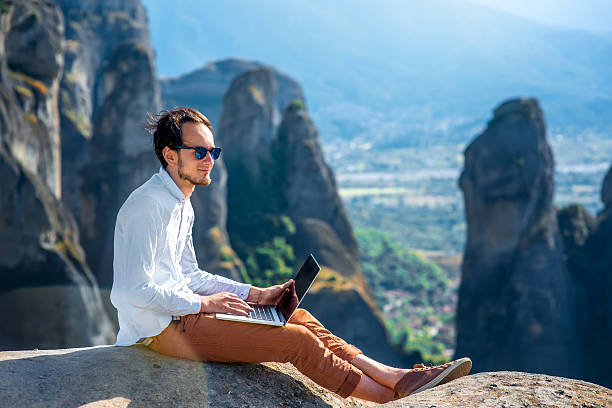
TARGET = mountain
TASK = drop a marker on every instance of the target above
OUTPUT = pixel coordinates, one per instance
(402, 73)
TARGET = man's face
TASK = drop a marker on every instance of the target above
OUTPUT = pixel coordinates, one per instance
(190, 169)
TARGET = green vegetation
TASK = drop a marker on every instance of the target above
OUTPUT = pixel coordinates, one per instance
(298, 103)
(272, 263)
(417, 297)
(427, 226)
(261, 232)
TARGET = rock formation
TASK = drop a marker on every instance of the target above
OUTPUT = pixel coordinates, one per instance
(32, 59)
(135, 376)
(246, 132)
(47, 292)
(280, 188)
(204, 88)
(108, 87)
(210, 238)
(590, 264)
(311, 194)
(514, 307)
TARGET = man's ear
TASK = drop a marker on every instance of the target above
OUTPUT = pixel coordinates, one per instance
(171, 156)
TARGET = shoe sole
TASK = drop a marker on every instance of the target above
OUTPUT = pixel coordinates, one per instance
(460, 368)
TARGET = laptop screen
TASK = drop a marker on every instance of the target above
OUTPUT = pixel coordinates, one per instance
(301, 283)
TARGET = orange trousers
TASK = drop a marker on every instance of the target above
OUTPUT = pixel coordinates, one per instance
(304, 342)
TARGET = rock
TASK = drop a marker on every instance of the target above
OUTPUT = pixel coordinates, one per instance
(32, 36)
(39, 238)
(203, 89)
(108, 87)
(210, 238)
(514, 305)
(39, 246)
(246, 128)
(246, 133)
(94, 30)
(592, 265)
(273, 178)
(341, 305)
(507, 389)
(575, 226)
(109, 376)
(606, 190)
(311, 194)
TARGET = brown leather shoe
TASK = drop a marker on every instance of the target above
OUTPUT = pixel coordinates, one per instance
(421, 377)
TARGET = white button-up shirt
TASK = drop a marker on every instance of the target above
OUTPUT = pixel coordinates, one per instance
(156, 275)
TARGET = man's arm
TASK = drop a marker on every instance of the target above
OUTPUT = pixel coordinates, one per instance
(136, 239)
(221, 294)
(204, 283)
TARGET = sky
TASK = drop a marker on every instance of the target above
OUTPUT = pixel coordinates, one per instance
(589, 15)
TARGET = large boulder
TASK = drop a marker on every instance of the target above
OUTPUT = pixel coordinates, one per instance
(514, 307)
(105, 377)
(135, 376)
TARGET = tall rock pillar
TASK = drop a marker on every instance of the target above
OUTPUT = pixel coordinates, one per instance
(514, 311)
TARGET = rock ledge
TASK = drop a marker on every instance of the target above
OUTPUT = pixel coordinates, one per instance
(108, 376)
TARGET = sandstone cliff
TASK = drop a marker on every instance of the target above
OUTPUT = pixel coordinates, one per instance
(137, 377)
(514, 304)
(48, 295)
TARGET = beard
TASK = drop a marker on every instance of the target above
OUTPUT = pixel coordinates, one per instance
(203, 180)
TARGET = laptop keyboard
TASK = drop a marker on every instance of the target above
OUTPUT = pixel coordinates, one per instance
(261, 313)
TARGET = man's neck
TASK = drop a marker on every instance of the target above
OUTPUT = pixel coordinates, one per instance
(185, 186)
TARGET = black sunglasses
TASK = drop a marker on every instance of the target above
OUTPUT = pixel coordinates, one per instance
(200, 152)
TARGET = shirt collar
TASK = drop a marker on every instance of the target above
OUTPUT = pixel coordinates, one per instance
(174, 189)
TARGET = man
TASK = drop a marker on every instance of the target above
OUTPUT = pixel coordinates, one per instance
(166, 302)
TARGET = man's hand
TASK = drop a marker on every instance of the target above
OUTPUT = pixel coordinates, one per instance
(224, 302)
(270, 295)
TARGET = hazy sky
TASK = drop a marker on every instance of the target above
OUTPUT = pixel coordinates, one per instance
(590, 15)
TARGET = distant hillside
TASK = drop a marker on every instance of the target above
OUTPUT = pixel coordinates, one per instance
(409, 73)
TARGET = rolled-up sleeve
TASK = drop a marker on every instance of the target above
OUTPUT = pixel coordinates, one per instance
(204, 283)
(136, 241)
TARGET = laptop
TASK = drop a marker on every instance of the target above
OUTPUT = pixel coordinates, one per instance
(280, 314)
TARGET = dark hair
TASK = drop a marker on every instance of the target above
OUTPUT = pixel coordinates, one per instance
(167, 128)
